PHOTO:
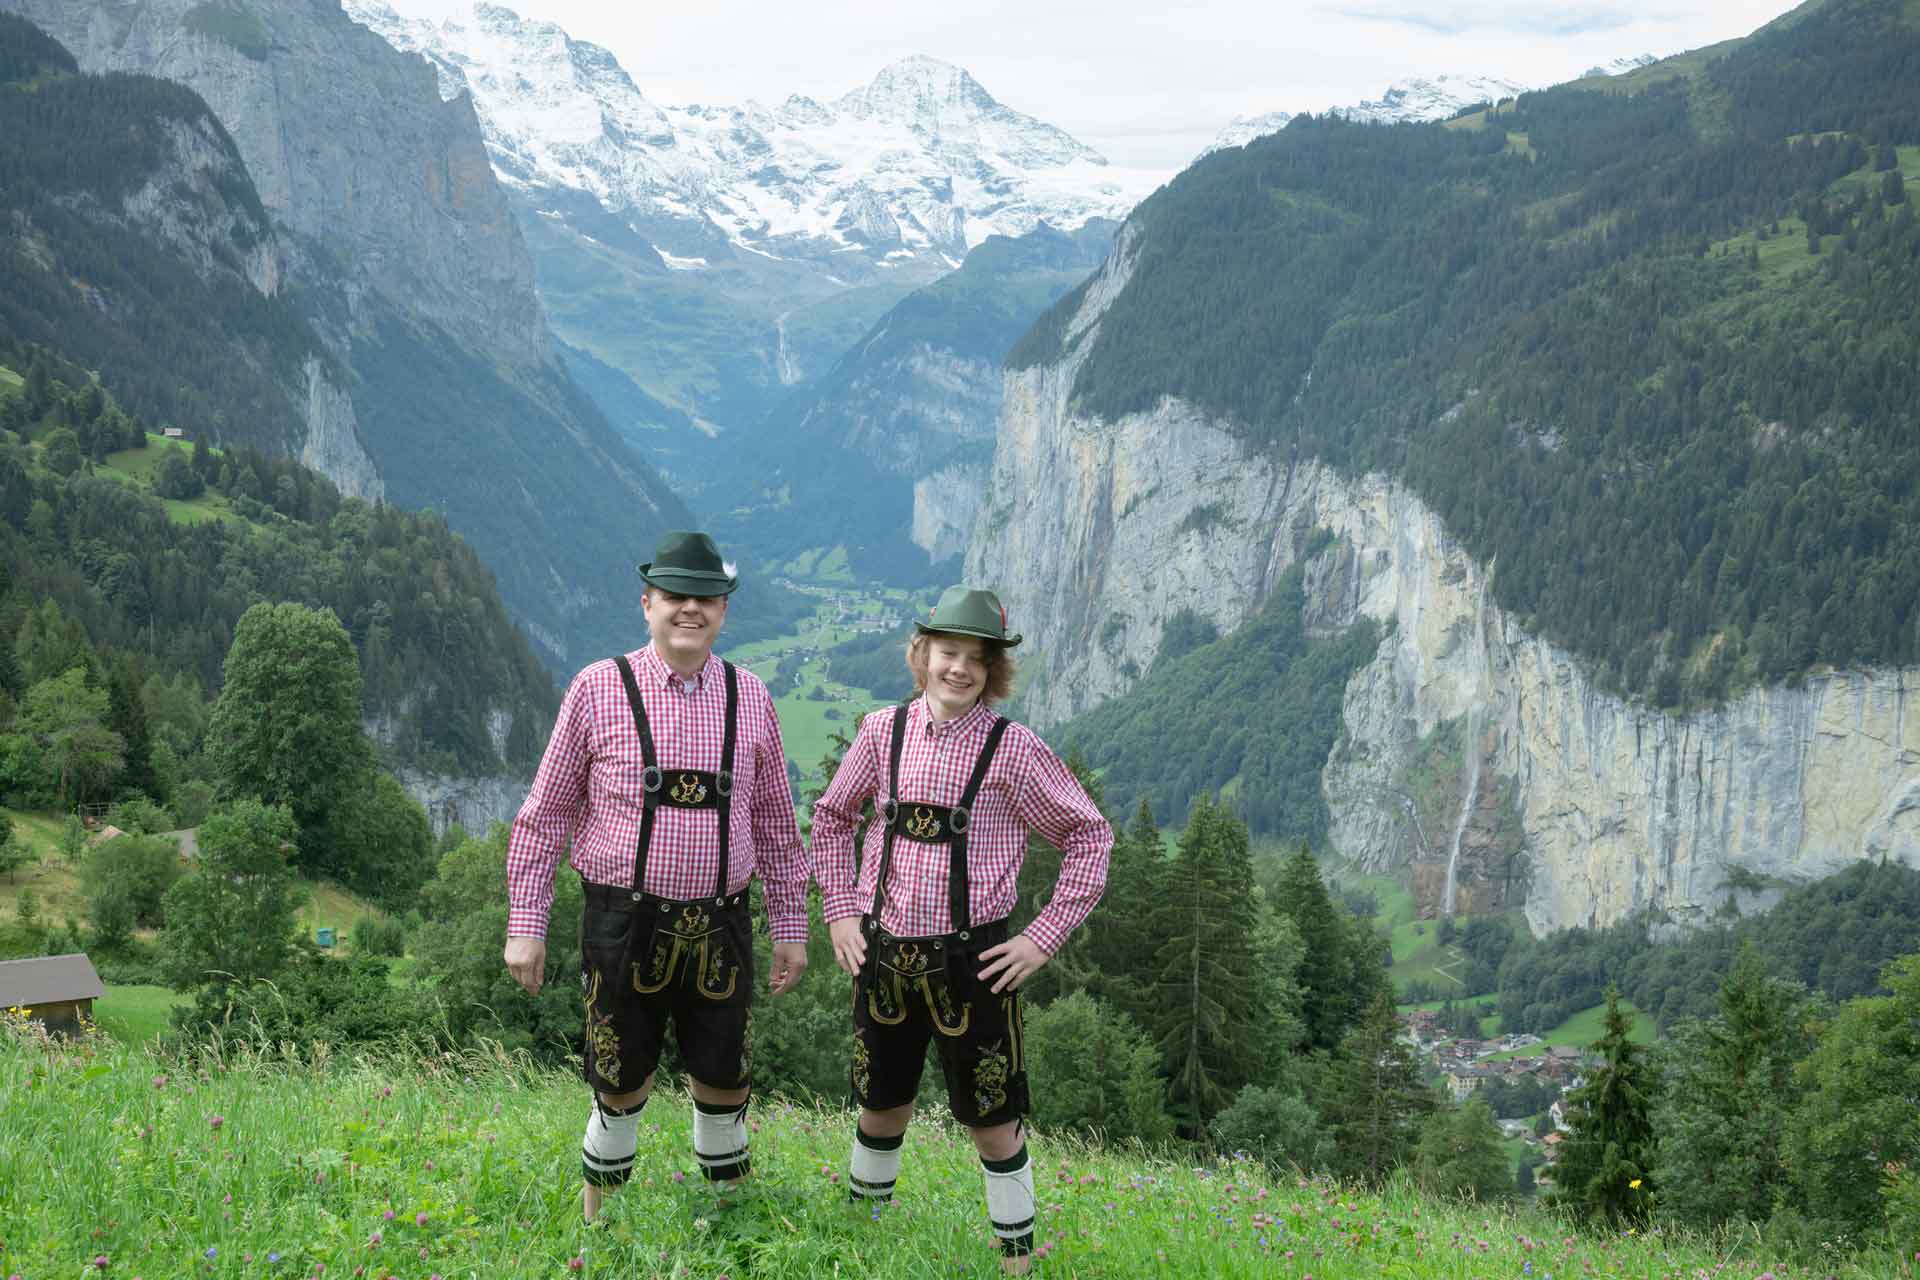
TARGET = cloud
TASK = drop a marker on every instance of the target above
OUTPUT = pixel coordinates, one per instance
(1147, 84)
(1463, 19)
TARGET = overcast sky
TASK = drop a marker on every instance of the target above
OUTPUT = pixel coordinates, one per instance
(1147, 84)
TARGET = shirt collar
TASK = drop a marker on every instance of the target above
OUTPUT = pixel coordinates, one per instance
(654, 669)
(958, 725)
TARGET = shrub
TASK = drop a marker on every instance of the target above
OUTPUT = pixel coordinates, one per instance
(1100, 1071)
(130, 874)
(137, 815)
(1279, 1129)
(192, 802)
(375, 937)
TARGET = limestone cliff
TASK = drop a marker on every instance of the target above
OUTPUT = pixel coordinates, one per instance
(438, 384)
(348, 144)
(1472, 751)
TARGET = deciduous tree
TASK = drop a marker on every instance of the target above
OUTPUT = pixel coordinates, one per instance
(286, 727)
(1100, 1069)
(231, 920)
(68, 720)
(1460, 1155)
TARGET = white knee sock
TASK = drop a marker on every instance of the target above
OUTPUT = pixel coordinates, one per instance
(874, 1167)
(613, 1135)
(1010, 1200)
(720, 1139)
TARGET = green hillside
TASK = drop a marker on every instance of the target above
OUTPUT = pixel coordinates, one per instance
(151, 555)
(177, 341)
(165, 278)
(1668, 326)
(470, 1165)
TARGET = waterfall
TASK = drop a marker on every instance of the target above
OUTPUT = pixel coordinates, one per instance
(788, 371)
(1476, 695)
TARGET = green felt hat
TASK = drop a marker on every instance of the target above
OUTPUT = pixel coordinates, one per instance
(688, 564)
(970, 611)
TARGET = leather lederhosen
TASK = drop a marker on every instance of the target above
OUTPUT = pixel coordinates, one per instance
(706, 940)
(931, 824)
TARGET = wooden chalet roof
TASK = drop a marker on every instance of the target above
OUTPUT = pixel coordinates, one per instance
(48, 979)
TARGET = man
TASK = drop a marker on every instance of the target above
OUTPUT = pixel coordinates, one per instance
(666, 766)
(922, 925)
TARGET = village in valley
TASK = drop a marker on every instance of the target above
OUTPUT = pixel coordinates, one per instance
(1510, 1072)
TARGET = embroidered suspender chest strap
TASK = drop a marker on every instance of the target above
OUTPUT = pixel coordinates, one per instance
(687, 788)
(937, 825)
(889, 810)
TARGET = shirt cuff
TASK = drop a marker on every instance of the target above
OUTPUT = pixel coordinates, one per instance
(841, 904)
(1045, 935)
(526, 922)
(787, 923)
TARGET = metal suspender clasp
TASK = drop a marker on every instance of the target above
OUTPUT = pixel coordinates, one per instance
(651, 779)
(723, 783)
(958, 818)
(889, 810)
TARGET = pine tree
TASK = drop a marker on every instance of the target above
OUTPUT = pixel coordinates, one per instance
(127, 716)
(1121, 946)
(1207, 1023)
(1605, 1169)
(1369, 1096)
(1326, 969)
(1728, 1091)
(1460, 1154)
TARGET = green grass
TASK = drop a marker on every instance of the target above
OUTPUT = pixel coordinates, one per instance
(1583, 1028)
(56, 885)
(134, 1015)
(141, 465)
(330, 906)
(827, 565)
(469, 1167)
(9, 379)
(144, 464)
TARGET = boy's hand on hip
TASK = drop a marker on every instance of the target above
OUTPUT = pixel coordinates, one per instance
(1014, 961)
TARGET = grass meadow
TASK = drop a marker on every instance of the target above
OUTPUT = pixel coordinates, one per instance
(240, 1162)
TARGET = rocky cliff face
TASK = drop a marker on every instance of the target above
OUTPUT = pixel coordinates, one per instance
(1476, 759)
(443, 387)
(348, 144)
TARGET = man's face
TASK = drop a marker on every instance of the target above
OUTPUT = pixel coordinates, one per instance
(956, 672)
(683, 627)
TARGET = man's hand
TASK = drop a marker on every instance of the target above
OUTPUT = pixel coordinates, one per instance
(789, 962)
(849, 944)
(527, 962)
(1015, 960)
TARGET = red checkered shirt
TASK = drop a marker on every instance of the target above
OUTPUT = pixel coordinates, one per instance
(1026, 789)
(589, 785)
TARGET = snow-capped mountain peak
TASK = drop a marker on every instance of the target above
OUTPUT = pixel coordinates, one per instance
(1621, 66)
(1419, 98)
(916, 88)
(919, 163)
(1412, 100)
(1244, 129)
